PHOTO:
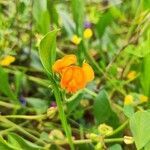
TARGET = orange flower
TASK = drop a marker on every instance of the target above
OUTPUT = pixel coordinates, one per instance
(73, 77)
(66, 61)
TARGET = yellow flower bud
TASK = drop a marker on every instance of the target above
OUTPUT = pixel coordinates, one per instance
(6, 61)
(131, 75)
(92, 136)
(84, 103)
(143, 98)
(87, 33)
(40, 126)
(56, 135)
(51, 112)
(75, 39)
(128, 100)
(105, 129)
(128, 140)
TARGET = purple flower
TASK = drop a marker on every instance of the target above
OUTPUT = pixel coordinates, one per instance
(53, 104)
(22, 100)
(87, 24)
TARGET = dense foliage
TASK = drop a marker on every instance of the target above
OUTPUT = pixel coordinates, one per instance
(74, 74)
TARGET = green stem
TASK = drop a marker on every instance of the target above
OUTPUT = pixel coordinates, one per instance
(86, 141)
(114, 140)
(36, 117)
(74, 96)
(12, 124)
(12, 128)
(62, 115)
(120, 128)
(95, 95)
(90, 92)
(92, 60)
(37, 80)
(117, 106)
(8, 105)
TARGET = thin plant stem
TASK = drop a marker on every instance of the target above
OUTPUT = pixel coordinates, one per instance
(62, 115)
(33, 117)
(8, 105)
(12, 128)
(12, 124)
(86, 141)
(90, 92)
(120, 128)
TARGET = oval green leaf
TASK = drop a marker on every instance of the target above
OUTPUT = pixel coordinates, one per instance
(47, 50)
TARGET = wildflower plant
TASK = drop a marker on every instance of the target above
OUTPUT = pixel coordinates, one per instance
(73, 78)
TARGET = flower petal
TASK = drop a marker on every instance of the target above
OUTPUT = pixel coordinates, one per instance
(88, 72)
(73, 79)
(66, 61)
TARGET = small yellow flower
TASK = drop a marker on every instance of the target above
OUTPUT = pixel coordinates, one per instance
(52, 112)
(92, 136)
(87, 33)
(105, 129)
(84, 103)
(56, 135)
(128, 100)
(6, 61)
(143, 98)
(131, 75)
(75, 39)
(128, 140)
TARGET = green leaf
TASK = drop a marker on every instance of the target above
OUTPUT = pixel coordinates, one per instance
(113, 120)
(128, 110)
(142, 49)
(144, 77)
(67, 21)
(104, 21)
(14, 142)
(147, 146)
(40, 105)
(45, 136)
(101, 108)
(74, 103)
(4, 86)
(41, 15)
(47, 50)
(78, 14)
(21, 143)
(4, 146)
(103, 112)
(52, 11)
(146, 4)
(140, 128)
